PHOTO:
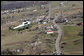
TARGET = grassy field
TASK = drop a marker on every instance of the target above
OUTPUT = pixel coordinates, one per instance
(71, 48)
(70, 35)
(12, 39)
(71, 32)
(8, 36)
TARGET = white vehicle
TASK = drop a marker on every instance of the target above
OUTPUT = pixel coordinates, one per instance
(24, 25)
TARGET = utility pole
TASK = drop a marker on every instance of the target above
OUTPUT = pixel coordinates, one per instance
(60, 5)
(49, 10)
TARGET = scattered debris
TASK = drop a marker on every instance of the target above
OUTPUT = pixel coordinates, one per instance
(80, 24)
(80, 33)
(49, 32)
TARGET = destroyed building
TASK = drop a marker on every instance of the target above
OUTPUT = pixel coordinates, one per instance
(60, 19)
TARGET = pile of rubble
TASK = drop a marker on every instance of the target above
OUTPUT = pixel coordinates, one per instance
(12, 51)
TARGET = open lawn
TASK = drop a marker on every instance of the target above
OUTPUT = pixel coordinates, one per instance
(74, 43)
(71, 32)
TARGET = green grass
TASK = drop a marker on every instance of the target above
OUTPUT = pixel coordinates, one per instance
(14, 36)
(70, 34)
(72, 49)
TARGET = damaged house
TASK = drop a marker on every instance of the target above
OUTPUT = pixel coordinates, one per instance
(60, 19)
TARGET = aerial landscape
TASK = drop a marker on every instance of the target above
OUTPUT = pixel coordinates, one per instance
(41, 27)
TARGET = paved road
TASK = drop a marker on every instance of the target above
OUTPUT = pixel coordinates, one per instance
(57, 44)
